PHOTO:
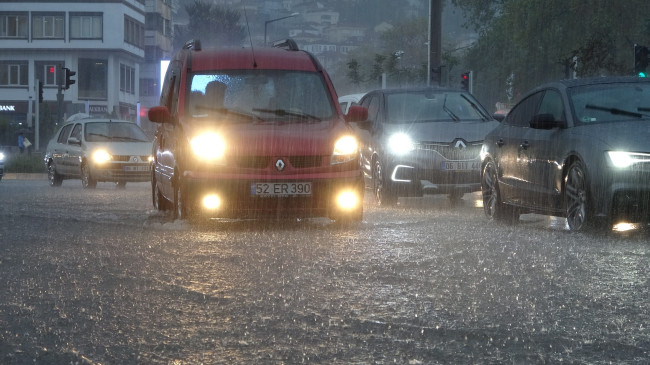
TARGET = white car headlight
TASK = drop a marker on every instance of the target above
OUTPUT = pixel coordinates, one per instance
(400, 143)
(2, 156)
(101, 156)
(208, 146)
(346, 149)
(622, 159)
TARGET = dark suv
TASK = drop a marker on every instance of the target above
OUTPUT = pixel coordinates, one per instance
(251, 133)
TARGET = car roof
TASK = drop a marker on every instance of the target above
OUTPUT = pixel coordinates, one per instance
(569, 83)
(95, 120)
(415, 90)
(256, 58)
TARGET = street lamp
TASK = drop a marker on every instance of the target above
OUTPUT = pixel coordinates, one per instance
(266, 23)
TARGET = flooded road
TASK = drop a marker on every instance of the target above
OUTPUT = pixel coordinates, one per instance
(99, 277)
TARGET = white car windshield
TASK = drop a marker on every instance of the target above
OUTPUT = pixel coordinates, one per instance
(114, 132)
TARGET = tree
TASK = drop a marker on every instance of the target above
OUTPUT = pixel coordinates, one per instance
(214, 25)
(537, 41)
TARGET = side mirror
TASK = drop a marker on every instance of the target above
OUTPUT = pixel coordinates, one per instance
(545, 121)
(356, 113)
(499, 117)
(74, 140)
(160, 114)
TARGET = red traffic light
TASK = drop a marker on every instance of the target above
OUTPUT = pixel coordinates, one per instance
(50, 69)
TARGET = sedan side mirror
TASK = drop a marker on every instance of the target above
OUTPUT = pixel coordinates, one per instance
(74, 140)
(160, 114)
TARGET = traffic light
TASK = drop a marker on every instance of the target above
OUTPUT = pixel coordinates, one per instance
(40, 91)
(464, 81)
(68, 78)
(640, 60)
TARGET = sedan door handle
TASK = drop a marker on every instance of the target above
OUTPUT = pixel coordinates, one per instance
(524, 145)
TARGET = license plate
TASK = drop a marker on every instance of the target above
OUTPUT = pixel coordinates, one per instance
(135, 168)
(461, 166)
(281, 189)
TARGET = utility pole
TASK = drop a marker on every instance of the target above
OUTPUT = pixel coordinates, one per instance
(434, 72)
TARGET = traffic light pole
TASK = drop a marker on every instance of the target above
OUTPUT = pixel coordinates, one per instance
(37, 124)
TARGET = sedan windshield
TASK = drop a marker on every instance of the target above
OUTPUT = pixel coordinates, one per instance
(267, 95)
(611, 102)
(114, 132)
(432, 107)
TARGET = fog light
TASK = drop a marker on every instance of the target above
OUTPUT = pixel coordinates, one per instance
(348, 200)
(211, 202)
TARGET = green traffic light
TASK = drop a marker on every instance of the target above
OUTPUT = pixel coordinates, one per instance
(642, 74)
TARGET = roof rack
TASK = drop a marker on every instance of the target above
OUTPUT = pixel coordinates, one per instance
(288, 44)
(194, 44)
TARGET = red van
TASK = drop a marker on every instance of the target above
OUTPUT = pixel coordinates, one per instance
(253, 133)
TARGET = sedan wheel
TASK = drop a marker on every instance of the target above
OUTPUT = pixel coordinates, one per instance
(53, 177)
(575, 197)
(381, 187)
(86, 180)
(492, 206)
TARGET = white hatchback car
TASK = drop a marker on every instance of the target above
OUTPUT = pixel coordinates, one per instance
(99, 150)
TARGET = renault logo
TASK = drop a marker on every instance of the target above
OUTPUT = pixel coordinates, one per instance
(279, 165)
(460, 144)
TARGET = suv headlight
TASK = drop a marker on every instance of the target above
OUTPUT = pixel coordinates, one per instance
(622, 159)
(400, 143)
(101, 156)
(208, 146)
(346, 149)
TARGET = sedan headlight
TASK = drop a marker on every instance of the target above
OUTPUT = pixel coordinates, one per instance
(2, 156)
(622, 159)
(346, 149)
(400, 143)
(101, 156)
(208, 146)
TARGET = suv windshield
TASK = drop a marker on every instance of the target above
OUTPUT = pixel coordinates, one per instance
(610, 102)
(267, 94)
(431, 107)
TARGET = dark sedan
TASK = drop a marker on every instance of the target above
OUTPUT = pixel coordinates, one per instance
(420, 141)
(576, 149)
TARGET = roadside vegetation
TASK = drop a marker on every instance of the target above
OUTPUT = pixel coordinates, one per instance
(24, 163)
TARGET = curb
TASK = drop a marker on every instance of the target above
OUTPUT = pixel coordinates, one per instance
(24, 176)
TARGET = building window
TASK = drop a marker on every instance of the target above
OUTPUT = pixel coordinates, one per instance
(86, 26)
(13, 25)
(48, 72)
(133, 32)
(48, 26)
(127, 79)
(93, 79)
(13, 73)
(149, 87)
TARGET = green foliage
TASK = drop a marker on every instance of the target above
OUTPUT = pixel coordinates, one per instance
(25, 163)
(214, 25)
(531, 41)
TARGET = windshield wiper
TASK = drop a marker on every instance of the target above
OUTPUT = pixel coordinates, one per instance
(226, 111)
(473, 104)
(451, 114)
(616, 111)
(284, 113)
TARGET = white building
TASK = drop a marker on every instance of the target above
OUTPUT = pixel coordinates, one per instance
(103, 41)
